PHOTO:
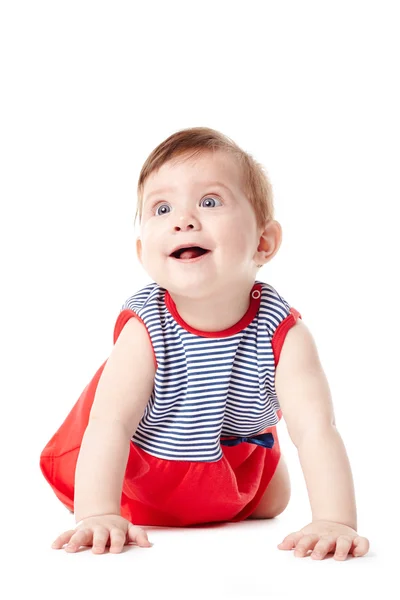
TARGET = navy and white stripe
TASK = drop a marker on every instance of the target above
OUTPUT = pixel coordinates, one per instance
(205, 388)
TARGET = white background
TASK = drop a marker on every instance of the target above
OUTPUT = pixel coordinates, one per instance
(88, 89)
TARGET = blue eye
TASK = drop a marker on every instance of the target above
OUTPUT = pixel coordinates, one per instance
(208, 198)
(159, 207)
(211, 198)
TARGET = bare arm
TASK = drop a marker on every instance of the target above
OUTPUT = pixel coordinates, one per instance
(121, 397)
(306, 403)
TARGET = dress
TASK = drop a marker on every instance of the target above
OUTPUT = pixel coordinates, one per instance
(206, 446)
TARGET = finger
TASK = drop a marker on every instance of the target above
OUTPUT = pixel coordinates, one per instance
(117, 540)
(306, 543)
(326, 544)
(361, 546)
(81, 537)
(100, 539)
(62, 539)
(343, 545)
(138, 535)
(290, 541)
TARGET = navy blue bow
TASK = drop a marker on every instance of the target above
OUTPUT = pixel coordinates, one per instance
(263, 439)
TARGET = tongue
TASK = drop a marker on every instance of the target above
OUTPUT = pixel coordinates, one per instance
(190, 253)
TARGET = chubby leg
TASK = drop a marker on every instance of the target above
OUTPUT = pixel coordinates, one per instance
(277, 495)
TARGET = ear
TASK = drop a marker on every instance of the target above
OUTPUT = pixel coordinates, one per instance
(139, 249)
(269, 244)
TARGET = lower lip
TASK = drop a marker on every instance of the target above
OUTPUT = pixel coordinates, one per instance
(190, 260)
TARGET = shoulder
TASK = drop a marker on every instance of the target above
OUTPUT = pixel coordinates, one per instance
(143, 297)
(273, 305)
(143, 305)
(276, 315)
(270, 294)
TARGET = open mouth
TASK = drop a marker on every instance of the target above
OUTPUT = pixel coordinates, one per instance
(189, 254)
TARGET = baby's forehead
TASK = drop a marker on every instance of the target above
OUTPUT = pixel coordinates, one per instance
(199, 170)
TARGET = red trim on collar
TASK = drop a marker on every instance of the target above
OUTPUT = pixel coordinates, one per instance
(239, 326)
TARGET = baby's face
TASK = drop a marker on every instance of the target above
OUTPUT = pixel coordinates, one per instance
(198, 202)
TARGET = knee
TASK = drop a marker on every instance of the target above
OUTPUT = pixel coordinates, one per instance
(273, 509)
(276, 497)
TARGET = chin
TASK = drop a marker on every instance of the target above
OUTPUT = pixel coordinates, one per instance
(187, 289)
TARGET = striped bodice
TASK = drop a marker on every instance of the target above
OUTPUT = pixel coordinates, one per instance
(207, 384)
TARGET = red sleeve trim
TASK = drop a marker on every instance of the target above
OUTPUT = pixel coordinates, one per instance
(122, 320)
(281, 331)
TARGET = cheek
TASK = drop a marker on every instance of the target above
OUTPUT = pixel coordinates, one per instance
(235, 236)
(150, 242)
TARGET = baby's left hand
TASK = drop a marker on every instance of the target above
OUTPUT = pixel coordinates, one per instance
(323, 537)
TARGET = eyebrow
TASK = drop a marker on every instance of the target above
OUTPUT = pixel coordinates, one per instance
(202, 184)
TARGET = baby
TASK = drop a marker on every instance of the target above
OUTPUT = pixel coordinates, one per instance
(178, 426)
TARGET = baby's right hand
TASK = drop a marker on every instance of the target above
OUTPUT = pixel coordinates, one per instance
(99, 532)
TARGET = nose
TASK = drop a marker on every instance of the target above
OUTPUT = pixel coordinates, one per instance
(184, 227)
(185, 221)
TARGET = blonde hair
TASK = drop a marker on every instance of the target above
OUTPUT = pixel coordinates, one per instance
(191, 142)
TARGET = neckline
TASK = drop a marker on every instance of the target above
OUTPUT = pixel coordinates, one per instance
(255, 300)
